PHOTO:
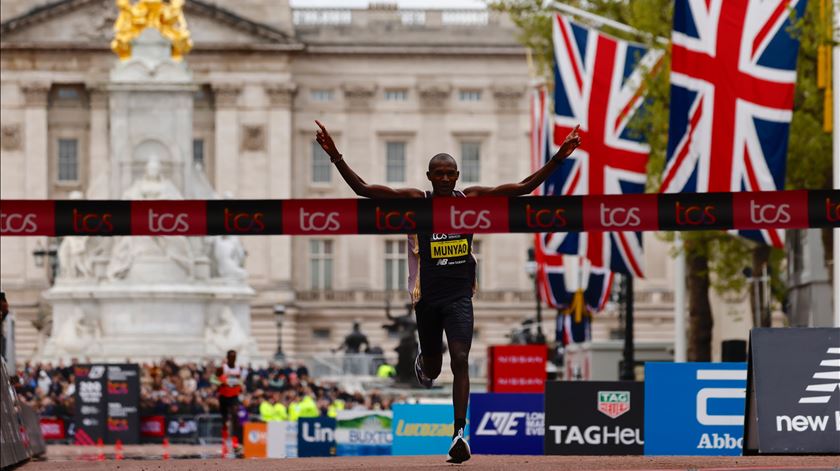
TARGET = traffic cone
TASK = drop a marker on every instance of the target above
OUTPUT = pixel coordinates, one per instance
(165, 448)
(235, 444)
(118, 450)
(224, 448)
(100, 456)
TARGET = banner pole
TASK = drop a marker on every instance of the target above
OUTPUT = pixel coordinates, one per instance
(836, 144)
(679, 300)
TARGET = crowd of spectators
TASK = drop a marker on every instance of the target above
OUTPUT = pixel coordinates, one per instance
(169, 388)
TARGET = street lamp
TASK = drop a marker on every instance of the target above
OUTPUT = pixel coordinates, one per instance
(531, 270)
(47, 255)
(279, 314)
(760, 296)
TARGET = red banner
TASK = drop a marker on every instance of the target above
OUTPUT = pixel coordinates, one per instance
(184, 218)
(52, 429)
(470, 215)
(797, 209)
(516, 368)
(27, 217)
(304, 217)
(153, 426)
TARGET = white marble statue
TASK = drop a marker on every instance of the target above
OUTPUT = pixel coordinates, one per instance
(229, 257)
(152, 186)
(74, 258)
(78, 333)
(76, 254)
(223, 332)
(228, 254)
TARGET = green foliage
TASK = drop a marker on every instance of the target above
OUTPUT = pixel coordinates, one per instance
(809, 151)
(809, 158)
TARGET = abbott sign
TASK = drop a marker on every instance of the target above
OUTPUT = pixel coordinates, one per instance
(704, 401)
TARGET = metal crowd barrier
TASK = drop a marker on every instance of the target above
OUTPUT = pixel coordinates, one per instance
(209, 429)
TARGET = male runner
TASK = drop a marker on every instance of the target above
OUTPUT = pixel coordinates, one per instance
(230, 387)
(442, 296)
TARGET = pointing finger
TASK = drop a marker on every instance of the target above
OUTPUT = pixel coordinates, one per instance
(320, 125)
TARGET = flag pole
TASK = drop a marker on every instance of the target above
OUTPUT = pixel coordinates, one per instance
(598, 20)
(836, 143)
(679, 300)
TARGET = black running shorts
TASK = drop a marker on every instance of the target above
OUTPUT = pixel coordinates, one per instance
(455, 317)
(227, 407)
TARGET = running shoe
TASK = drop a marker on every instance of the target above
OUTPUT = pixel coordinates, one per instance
(459, 451)
(424, 380)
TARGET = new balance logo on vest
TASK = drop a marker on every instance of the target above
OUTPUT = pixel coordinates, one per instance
(830, 389)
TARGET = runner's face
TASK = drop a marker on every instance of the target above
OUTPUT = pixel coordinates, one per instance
(443, 174)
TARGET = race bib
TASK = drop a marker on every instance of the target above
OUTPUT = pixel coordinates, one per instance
(450, 248)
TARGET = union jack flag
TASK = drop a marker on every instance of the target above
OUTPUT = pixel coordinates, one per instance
(560, 277)
(599, 84)
(733, 71)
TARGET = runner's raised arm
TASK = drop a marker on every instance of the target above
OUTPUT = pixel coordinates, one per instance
(534, 180)
(359, 186)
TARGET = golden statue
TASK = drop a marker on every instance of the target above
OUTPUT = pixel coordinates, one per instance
(166, 18)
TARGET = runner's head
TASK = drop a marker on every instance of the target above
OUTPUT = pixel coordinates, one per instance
(443, 173)
(231, 358)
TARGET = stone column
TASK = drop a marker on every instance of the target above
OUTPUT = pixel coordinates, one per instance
(434, 98)
(281, 97)
(99, 162)
(509, 144)
(37, 161)
(357, 97)
(509, 148)
(227, 138)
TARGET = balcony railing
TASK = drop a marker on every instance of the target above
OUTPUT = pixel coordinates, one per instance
(406, 17)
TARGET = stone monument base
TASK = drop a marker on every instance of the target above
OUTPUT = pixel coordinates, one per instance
(147, 322)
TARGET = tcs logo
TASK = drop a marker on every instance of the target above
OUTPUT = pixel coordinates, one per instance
(619, 217)
(244, 222)
(395, 220)
(17, 223)
(832, 210)
(92, 223)
(694, 215)
(769, 213)
(318, 221)
(469, 219)
(545, 218)
(168, 222)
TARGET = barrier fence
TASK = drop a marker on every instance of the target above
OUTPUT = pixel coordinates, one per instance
(180, 428)
(795, 209)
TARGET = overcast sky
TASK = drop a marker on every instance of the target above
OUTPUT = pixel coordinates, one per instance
(421, 4)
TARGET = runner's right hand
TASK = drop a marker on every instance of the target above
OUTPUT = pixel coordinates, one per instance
(325, 140)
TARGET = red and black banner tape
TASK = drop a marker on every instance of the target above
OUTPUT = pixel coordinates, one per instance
(796, 209)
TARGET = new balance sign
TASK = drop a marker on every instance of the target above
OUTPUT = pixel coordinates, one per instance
(793, 391)
(594, 418)
(703, 401)
(507, 424)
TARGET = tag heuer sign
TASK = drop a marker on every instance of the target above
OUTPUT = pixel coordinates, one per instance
(613, 403)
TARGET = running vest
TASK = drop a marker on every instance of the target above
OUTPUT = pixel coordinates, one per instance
(441, 267)
(233, 378)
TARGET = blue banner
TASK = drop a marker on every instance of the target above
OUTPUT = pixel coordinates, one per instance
(423, 429)
(363, 433)
(316, 437)
(694, 408)
(507, 424)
